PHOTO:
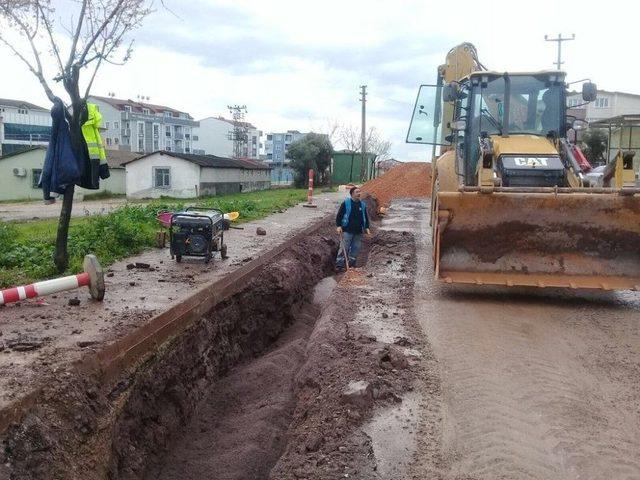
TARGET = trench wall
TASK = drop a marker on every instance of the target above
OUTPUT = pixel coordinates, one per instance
(83, 428)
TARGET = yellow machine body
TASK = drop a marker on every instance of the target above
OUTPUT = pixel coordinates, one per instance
(570, 236)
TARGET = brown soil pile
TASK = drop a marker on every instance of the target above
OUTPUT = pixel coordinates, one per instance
(410, 180)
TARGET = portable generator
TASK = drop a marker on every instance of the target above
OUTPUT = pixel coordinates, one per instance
(197, 232)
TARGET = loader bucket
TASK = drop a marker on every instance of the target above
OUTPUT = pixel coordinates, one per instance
(572, 239)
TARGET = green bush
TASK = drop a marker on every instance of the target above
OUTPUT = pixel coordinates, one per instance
(26, 249)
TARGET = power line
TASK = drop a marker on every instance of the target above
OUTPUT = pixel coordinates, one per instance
(560, 39)
(240, 133)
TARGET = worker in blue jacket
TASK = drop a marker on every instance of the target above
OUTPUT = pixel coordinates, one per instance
(352, 221)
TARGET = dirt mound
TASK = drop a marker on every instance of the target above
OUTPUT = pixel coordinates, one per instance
(410, 180)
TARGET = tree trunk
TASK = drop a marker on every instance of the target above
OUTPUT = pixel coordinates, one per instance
(61, 258)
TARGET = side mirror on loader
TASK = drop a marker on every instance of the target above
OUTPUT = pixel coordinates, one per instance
(589, 91)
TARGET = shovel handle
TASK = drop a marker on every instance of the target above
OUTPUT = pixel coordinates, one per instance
(344, 251)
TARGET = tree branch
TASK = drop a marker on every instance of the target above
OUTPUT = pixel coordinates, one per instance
(47, 25)
(76, 36)
(95, 36)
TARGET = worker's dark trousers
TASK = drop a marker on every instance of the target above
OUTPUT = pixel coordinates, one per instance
(352, 243)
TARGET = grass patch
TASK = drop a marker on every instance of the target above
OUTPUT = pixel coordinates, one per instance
(26, 248)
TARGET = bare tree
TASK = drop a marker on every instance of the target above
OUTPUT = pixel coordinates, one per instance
(350, 139)
(96, 33)
(380, 147)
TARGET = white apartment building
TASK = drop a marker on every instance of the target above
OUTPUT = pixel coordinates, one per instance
(143, 127)
(215, 137)
(23, 125)
(607, 105)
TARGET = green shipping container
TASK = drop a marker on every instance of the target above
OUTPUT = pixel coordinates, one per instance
(346, 167)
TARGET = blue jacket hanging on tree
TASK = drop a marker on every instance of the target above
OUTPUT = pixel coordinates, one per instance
(61, 166)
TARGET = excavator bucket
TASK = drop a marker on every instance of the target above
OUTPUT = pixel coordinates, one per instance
(535, 237)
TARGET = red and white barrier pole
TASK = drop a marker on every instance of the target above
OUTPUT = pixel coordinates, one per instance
(92, 277)
(310, 193)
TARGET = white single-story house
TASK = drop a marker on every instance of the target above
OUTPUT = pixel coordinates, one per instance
(20, 173)
(184, 175)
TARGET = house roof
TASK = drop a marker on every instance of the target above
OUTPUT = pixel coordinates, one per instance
(19, 152)
(115, 158)
(222, 119)
(211, 161)
(614, 92)
(628, 120)
(136, 106)
(7, 102)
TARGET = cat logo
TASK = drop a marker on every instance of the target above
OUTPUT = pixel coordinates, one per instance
(530, 162)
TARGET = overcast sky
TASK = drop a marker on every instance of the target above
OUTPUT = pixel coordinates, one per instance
(299, 65)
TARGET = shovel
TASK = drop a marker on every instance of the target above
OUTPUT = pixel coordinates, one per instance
(344, 252)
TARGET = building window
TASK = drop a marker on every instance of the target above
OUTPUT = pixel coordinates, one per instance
(602, 102)
(108, 141)
(106, 125)
(156, 144)
(168, 114)
(156, 130)
(168, 131)
(127, 108)
(287, 138)
(146, 111)
(35, 177)
(168, 146)
(195, 138)
(23, 111)
(141, 129)
(141, 144)
(116, 141)
(269, 156)
(161, 177)
(269, 137)
(116, 125)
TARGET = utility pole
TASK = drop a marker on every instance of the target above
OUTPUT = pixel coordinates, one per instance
(560, 39)
(363, 146)
(240, 133)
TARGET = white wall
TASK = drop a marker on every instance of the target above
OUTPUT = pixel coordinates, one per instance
(213, 137)
(185, 177)
(239, 175)
(21, 187)
(619, 104)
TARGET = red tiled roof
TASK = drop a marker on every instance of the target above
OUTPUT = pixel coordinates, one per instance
(138, 106)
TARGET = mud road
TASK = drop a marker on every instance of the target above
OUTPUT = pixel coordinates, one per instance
(536, 384)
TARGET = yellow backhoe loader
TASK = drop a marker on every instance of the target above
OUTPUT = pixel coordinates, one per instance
(514, 201)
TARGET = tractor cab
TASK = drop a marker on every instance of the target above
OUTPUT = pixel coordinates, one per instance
(504, 127)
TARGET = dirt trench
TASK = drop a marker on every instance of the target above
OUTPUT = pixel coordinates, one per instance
(81, 428)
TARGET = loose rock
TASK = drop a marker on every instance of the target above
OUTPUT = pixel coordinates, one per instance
(358, 393)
